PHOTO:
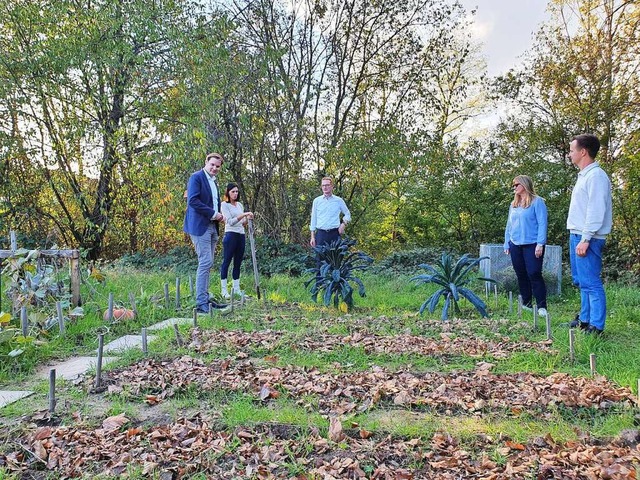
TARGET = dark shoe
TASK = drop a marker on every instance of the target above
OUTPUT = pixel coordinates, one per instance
(202, 310)
(591, 330)
(575, 323)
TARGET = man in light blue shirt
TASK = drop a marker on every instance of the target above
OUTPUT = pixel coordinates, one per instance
(589, 222)
(326, 225)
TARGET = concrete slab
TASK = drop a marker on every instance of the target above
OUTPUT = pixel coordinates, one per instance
(73, 368)
(125, 343)
(8, 396)
(170, 322)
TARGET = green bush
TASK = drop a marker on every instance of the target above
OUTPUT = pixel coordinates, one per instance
(405, 262)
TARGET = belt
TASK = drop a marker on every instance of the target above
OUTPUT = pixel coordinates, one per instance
(327, 231)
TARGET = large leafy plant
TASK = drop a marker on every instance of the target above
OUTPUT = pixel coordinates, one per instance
(453, 278)
(335, 271)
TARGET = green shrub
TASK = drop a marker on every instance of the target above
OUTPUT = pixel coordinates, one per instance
(334, 272)
(452, 279)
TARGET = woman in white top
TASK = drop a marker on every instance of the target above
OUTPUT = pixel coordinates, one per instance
(233, 243)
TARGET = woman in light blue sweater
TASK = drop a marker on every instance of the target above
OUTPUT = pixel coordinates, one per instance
(524, 239)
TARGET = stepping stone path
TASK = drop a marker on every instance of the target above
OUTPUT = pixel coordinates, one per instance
(7, 397)
(74, 367)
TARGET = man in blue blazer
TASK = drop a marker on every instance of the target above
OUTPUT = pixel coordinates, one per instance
(202, 221)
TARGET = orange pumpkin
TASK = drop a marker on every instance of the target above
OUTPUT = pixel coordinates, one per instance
(119, 314)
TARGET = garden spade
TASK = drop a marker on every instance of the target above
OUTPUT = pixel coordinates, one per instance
(253, 258)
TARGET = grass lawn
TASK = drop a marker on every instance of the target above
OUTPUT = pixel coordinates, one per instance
(285, 388)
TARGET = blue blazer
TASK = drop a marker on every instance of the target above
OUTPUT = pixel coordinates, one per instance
(199, 205)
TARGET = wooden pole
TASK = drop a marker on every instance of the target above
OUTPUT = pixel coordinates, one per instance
(252, 242)
(510, 303)
(190, 286)
(24, 321)
(572, 342)
(520, 306)
(74, 274)
(52, 390)
(178, 338)
(61, 326)
(592, 363)
(232, 301)
(535, 317)
(110, 308)
(495, 294)
(145, 346)
(166, 295)
(13, 241)
(98, 383)
(132, 301)
(195, 315)
(177, 293)
(547, 318)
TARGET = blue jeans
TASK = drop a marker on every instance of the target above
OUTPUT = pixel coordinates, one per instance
(528, 270)
(233, 245)
(586, 276)
(205, 246)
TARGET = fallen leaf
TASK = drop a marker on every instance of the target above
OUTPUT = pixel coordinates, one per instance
(335, 430)
(114, 422)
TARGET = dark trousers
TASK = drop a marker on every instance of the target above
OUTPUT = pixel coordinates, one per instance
(324, 237)
(233, 245)
(528, 270)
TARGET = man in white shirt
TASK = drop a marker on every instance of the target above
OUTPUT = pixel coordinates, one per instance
(326, 225)
(589, 222)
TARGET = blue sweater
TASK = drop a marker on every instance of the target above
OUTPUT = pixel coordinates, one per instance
(527, 225)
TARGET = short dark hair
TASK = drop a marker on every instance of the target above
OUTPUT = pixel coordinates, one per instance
(589, 142)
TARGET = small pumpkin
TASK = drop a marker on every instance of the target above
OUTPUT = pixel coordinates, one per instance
(119, 314)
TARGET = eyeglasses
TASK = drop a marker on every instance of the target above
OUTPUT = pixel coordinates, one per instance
(515, 185)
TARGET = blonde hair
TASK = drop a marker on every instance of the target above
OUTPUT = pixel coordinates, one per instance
(529, 195)
(327, 178)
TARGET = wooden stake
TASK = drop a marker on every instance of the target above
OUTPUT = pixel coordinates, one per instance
(52, 390)
(14, 242)
(74, 273)
(232, 295)
(495, 294)
(177, 293)
(592, 363)
(166, 295)
(145, 347)
(178, 337)
(520, 307)
(61, 326)
(99, 362)
(535, 317)
(190, 286)
(24, 321)
(132, 301)
(548, 320)
(572, 348)
(195, 315)
(110, 308)
(510, 303)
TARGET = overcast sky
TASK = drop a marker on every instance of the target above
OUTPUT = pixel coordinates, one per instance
(505, 28)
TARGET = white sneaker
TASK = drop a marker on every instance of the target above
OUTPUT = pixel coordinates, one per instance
(542, 312)
(225, 295)
(528, 309)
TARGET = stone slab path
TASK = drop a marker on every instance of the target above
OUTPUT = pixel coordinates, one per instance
(7, 396)
(121, 344)
(170, 322)
(73, 367)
